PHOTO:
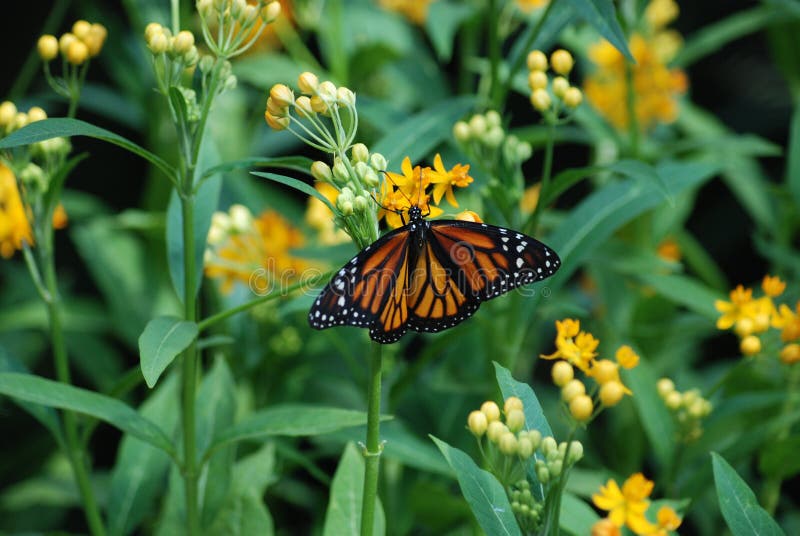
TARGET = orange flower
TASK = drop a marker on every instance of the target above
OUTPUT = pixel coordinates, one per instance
(445, 180)
(628, 505)
(574, 346)
(14, 226)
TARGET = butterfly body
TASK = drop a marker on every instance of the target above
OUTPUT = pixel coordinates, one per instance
(429, 276)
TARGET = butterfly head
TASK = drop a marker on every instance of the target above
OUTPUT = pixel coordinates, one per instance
(414, 213)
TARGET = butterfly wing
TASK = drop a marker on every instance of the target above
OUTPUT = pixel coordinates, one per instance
(466, 263)
(369, 291)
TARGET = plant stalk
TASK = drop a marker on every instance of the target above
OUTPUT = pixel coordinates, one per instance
(771, 493)
(373, 449)
(547, 171)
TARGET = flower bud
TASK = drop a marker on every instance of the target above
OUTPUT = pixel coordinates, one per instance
(477, 423)
(744, 327)
(524, 151)
(193, 56)
(36, 114)
(515, 420)
(537, 80)
(360, 203)
(271, 11)
(370, 178)
(469, 215)
(562, 373)
(560, 86)
(495, 430)
(549, 446)
(230, 83)
(276, 123)
(274, 108)
(508, 444)
(673, 400)
(537, 61)
(204, 7)
(581, 407)
(8, 111)
(535, 437)
(542, 473)
(308, 83)
(80, 29)
(33, 177)
(493, 119)
(664, 386)
(318, 105)
(611, 393)
(96, 39)
(512, 403)
(327, 90)
(345, 96)
(789, 354)
(249, 15)
(206, 63)
(378, 162)
(20, 120)
(182, 42)
(65, 41)
(477, 125)
(47, 46)
(347, 208)
(555, 467)
(572, 389)
(750, 345)
(573, 97)
(158, 43)
(561, 61)
(361, 169)
(321, 171)
(237, 8)
(491, 410)
(604, 371)
(241, 218)
(461, 131)
(540, 99)
(340, 172)
(493, 137)
(575, 452)
(696, 409)
(282, 95)
(152, 29)
(303, 106)
(359, 153)
(524, 448)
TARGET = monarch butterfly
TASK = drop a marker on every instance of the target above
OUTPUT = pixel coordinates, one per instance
(429, 276)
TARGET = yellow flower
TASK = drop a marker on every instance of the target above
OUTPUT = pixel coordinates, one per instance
(469, 215)
(320, 217)
(788, 322)
(577, 347)
(626, 357)
(773, 286)
(656, 86)
(668, 520)
(530, 198)
(255, 251)
(659, 13)
(669, 250)
(14, 226)
(740, 307)
(605, 527)
(399, 192)
(445, 180)
(628, 505)
(414, 10)
(529, 5)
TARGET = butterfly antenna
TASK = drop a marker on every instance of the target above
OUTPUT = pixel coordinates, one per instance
(398, 189)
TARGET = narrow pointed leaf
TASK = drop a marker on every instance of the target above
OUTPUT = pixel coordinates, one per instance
(602, 15)
(162, 340)
(344, 508)
(297, 185)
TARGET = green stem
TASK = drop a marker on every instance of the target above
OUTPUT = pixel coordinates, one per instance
(373, 449)
(633, 121)
(771, 493)
(547, 170)
(494, 57)
(75, 452)
(190, 365)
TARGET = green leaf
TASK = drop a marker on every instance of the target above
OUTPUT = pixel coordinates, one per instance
(140, 471)
(419, 134)
(163, 338)
(65, 127)
(343, 515)
(793, 159)
(576, 516)
(58, 395)
(653, 414)
(534, 414)
(779, 458)
(738, 503)
(637, 169)
(265, 70)
(602, 15)
(684, 291)
(442, 23)
(296, 163)
(289, 420)
(297, 185)
(205, 203)
(483, 492)
(244, 514)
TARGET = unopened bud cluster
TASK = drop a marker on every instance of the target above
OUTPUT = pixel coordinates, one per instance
(179, 48)
(552, 94)
(85, 41)
(688, 409)
(28, 164)
(230, 27)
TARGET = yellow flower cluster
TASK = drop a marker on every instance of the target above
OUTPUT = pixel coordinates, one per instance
(544, 90)
(576, 348)
(414, 10)
(507, 447)
(179, 47)
(231, 27)
(253, 250)
(85, 41)
(399, 192)
(320, 218)
(751, 318)
(656, 87)
(688, 409)
(626, 507)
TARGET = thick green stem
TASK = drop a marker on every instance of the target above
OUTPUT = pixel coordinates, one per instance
(190, 470)
(547, 171)
(771, 493)
(74, 448)
(494, 57)
(373, 449)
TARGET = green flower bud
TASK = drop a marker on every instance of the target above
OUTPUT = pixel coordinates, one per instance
(542, 473)
(33, 177)
(371, 179)
(493, 137)
(555, 468)
(575, 452)
(492, 119)
(359, 153)
(340, 171)
(378, 162)
(508, 444)
(346, 208)
(206, 63)
(321, 171)
(549, 446)
(360, 203)
(461, 131)
(477, 126)
(525, 449)
(535, 437)
(361, 170)
(524, 151)
(515, 420)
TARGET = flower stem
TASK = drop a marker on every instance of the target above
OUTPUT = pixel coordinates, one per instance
(494, 56)
(633, 121)
(75, 451)
(771, 493)
(189, 365)
(547, 170)
(373, 449)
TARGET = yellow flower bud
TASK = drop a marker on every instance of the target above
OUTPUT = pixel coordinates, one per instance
(673, 400)
(664, 387)
(540, 99)
(96, 39)
(611, 393)
(36, 114)
(281, 95)
(249, 15)
(761, 322)
(744, 327)
(347, 208)
(604, 371)
(537, 80)
(572, 389)
(345, 96)
(573, 97)
(549, 446)
(491, 410)
(321, 171)
(152, 29)
(561, 61)
(20, 120)
(318, 105)
(626, 357)
(495, 430)
(790, 353)
(276, 109)
(308, 83)
(477, 125)
(697, 409)
(8, 111)
(581, 407)
(508, 444)
(469, 215)
(537, 61)
(515, 420)
(204, 7)
(378, 162)
(77, 53)
(477, 423)
(271, 11)
(158, 43)
(688, 398)
(303, 106)
(575, 452)
(182, 43)
(750, 345)
(65, 41)
(81, 29)
(524, 448)
(560, 85)
(237, 8)
(493, 119)
(461, 131)
(47, 46)
(562, 373)
(327, 90)
(542, 474)
(276, 123)
(512, 403)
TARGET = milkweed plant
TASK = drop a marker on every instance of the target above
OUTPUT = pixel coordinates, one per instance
(188, 188)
